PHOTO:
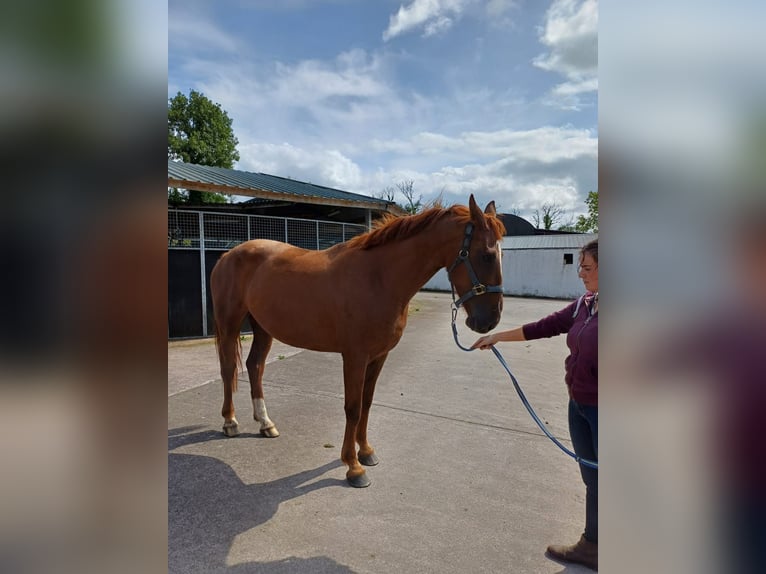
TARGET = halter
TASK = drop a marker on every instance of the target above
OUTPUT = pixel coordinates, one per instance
(478, 287)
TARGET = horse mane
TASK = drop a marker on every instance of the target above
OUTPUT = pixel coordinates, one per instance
(398, 227)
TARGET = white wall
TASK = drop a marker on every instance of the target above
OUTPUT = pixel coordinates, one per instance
(531, 273)
(541, 273)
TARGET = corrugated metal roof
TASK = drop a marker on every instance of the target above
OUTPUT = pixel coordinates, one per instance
(573, 241)
(248, 183)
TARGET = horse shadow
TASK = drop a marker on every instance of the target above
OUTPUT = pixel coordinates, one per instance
(183, 436)
(208, 506)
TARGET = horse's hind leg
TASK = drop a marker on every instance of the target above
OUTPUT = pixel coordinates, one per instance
(367, 454)
(228, 314)
(256, 360)
(228, 355)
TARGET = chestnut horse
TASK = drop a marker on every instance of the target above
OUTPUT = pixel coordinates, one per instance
(351, 299)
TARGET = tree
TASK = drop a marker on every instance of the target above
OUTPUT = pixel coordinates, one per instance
(413, 205)
(387, 194)
(569, 226)
(590, 223)
(176, 197)
(200, 132)
(547, 216)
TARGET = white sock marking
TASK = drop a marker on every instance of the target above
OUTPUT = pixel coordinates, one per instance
(259, 408)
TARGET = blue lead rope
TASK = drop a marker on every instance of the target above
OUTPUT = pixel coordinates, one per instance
(584, 462)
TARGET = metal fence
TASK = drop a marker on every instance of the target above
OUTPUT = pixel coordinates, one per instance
(208, 230)
(196, 239)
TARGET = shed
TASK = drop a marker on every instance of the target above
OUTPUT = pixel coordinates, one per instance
(544, 265)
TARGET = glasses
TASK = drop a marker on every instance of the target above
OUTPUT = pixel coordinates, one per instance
(586, 268)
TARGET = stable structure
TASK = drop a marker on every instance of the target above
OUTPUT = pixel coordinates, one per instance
(280, 196)
(302, 214)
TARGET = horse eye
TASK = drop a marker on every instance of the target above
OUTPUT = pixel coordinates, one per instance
(489, 257)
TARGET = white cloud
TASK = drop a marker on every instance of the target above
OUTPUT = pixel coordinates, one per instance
(319, 166)
(518, 169)
(351, 75)
(546, 144)
(571, 35)
(567, 95)
(438, 16)
(344, 99)
(435, 15)
(441, 24)
(575, 88)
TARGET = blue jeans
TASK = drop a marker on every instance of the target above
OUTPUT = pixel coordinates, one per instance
(583, 428)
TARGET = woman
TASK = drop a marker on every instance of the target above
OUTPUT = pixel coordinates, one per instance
(579, 320)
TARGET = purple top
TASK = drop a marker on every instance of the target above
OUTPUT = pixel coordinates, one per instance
(581, 327)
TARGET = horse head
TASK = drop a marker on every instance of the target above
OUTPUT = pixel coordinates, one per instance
(476, 275)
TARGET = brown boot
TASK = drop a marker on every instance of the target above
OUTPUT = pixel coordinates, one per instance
(584, 552)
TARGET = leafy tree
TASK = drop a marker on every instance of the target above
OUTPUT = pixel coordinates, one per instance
(176, 197)
(200, 132)
(590, 223)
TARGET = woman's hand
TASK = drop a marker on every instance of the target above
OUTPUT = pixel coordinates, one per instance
(485, 342)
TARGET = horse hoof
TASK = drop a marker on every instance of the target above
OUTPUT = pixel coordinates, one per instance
(231, 429)
(359, 481)
(369, 460)
(270, 432)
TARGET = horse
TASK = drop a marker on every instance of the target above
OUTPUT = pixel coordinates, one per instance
(352, 299)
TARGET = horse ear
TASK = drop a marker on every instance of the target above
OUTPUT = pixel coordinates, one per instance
(490, 209)
(476, 215)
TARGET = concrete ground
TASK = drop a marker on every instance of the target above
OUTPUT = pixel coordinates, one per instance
(466, 482)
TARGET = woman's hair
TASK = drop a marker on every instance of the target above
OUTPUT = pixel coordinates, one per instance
(591, 248)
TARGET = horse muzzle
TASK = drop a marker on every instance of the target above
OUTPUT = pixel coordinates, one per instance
(484, 318)
(481, 326)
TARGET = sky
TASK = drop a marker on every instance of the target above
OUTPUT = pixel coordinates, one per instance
(496, 98)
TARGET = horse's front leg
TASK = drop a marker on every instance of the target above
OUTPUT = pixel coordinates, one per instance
(367, 455)
(354, 369)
